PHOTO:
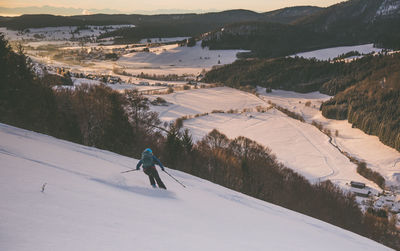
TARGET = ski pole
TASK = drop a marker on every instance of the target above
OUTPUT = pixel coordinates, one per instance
(174, 178)
(130, 171)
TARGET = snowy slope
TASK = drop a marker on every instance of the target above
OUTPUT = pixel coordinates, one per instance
(88, 205)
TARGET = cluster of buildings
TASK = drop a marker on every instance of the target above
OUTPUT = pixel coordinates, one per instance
(387, 200)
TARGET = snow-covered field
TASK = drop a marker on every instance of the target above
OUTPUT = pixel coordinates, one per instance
(331, 53)
(298, 145)
(162, 40)
(368, 148)
(87, 204)
(175, 59)
(162, 60)
(124, 86)
(205, 100)
(60, 32)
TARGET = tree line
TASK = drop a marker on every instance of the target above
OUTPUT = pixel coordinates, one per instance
(100, 117)
(300, 74)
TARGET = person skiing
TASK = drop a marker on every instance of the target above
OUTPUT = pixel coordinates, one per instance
(149, 160)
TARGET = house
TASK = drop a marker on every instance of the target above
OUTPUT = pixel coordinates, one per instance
(357, 184)
(360, 192)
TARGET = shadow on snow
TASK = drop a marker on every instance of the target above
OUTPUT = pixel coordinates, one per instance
(150, 192)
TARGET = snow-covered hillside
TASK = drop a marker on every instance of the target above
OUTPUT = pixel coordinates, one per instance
(88, 204)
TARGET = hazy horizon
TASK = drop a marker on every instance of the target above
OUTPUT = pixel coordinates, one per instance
(76, 7)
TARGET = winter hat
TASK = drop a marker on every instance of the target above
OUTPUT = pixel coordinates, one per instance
(148, 150)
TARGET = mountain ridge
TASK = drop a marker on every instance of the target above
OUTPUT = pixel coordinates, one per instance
(222, 17)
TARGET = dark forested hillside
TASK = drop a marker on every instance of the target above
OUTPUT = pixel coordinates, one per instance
(166, 25)
(285, 15)
(290, 14)
(373, 105)
(299, 74)
(197, 24)
(347, 23)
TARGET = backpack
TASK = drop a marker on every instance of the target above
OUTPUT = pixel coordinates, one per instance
(147, 159)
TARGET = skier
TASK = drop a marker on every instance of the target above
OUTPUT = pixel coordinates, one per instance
(149, 160)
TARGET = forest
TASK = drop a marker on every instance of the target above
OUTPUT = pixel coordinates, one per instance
(372, 104)
(300, 74)
(351, 22)
(100, 117)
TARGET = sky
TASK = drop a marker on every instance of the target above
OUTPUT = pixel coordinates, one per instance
(130, 6)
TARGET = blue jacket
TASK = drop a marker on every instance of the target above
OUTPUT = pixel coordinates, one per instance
(157, 161)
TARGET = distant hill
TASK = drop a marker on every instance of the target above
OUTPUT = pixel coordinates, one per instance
(52, 10)
(351, 14)
(44, 20)
(176, 24)
(197, 24)
(290, 14)
(347, 23)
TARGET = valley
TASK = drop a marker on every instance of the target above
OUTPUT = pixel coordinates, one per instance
(299, 146)
(296, 107)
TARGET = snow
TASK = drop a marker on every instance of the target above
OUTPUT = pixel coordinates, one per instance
(388, 7)
(88, 204)
(300, 146)
(331, 53)
(80, 81)
(175, 59)
(297, 145)
(162, 40)
(205, 100)
(61, 32)
(379, 157)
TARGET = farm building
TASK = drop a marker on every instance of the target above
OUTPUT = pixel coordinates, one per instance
(357, 184)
